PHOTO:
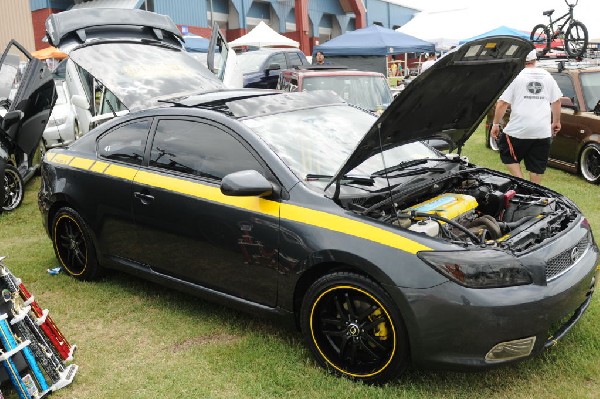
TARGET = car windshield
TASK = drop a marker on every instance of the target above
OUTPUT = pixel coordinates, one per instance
(591, 88)
(368, 92)
(139, 74)
(251, 61)
(318, 141)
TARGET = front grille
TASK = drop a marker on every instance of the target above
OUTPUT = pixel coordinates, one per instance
(566, 259)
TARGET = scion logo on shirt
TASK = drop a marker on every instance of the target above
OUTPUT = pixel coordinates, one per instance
(535, 87)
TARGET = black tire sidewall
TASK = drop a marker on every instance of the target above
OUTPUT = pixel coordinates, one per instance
(91, 270)
(567, 40)
(399, 361)
(544, 28)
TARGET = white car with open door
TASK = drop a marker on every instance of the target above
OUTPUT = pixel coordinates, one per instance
(27, 95)
(124, 60)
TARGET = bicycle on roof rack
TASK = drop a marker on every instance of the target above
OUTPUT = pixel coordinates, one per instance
(573, 33)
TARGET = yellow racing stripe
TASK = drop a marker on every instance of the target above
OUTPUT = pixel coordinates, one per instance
(289, 212)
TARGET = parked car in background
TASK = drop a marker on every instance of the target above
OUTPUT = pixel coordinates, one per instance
(384, 251)
(143, 60)
(27, 95)
(261, 68)
(61, 128)
(367, 90)
(576, 148)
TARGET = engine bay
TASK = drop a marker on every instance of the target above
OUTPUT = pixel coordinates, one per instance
(475, 207)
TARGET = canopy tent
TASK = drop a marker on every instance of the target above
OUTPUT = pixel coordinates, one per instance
(195, 44)
(447, 28)
(374, 40)
(49, 52)
(499, 31)
(263, 36)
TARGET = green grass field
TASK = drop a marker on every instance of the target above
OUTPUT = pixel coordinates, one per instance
(138, 340)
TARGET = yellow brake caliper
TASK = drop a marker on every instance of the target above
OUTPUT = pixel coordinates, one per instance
(381, 330)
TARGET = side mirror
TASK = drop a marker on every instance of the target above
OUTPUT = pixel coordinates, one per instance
(10, 118)
(566, 102)
(246, 183)
(80, 101)
(272, 67)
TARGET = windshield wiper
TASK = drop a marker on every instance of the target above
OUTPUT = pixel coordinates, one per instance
(366, 180)
(406, 164)
(418, 171)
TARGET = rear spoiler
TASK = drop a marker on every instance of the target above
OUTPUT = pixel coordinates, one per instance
(75, 22)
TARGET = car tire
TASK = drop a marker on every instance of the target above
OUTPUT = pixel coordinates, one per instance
(73, 245)
(589, 163)
(14, 188)
(353, 328)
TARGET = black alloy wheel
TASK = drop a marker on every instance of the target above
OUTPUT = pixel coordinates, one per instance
(576, 39)
(541, 36)
(589, 163)
(353, 328)
(14, 188)
(73, 245)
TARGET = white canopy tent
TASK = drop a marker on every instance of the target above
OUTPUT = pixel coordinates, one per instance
(263, 36)
(447, 28)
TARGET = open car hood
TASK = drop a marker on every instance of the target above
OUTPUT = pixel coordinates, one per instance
(448, 101)
(137, 55)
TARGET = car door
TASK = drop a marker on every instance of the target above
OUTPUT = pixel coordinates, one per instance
(564, 144)
(221, 60)
(120, 152)
(189, 230)
(269, 80)
(27, 95)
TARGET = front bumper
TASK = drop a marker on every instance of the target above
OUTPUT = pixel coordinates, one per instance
(454, 327)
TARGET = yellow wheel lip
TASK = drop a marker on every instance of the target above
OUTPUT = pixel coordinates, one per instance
(321, 352)
(62, 262)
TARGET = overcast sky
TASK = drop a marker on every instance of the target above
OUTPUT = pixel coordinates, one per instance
(517, 14)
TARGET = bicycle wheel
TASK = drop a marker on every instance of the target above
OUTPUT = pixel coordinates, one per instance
(541, 37)
(576, 39)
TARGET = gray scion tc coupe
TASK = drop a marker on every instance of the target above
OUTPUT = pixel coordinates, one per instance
(384, 251)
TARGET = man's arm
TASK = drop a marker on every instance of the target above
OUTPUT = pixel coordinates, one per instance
(555, 106)
(501, 107)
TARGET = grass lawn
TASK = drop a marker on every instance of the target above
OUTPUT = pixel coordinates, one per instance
(138, 340)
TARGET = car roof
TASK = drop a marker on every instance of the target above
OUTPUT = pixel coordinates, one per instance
(569, 65)
(249, 103)
(330, 72)
(269, 50)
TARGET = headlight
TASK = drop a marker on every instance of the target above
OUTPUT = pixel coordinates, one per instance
(57, 121)
(479, 269)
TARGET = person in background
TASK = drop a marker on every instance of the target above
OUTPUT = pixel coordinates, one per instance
(320, 59)
(427, 64)
(534, 99)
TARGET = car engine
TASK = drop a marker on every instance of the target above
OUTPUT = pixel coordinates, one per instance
(477, 207)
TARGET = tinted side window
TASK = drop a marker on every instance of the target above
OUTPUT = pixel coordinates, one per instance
(294, 59)
(566, 85)
(125, 143)
(277, 59)
(199, 149)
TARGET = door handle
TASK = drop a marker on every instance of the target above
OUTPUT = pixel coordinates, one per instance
(144, 198)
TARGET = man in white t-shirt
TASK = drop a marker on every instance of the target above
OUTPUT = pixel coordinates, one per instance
(534, 99)
(429, 63)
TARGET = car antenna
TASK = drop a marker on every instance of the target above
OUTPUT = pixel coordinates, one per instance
(387, 179)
